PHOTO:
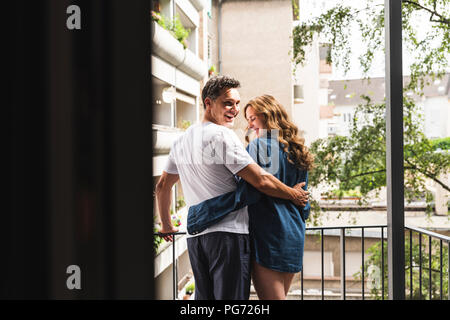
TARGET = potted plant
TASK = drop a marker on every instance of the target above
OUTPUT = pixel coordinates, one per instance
(189, 291)
(212, 71)
(175, 27)
(156, 16)
(184, 125)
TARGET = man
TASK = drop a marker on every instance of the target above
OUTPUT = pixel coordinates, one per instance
(206, 159)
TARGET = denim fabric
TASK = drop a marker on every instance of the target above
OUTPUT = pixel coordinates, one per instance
(277, 226)
(209, 212)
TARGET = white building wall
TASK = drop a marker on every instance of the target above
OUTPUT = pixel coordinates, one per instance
(436, 117)
(344, 116)
(256, 41)
(323, 128)
(307, 115)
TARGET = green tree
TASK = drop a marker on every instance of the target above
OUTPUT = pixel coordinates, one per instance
(373, 265)
(358, 161)
(429, 44)
(175, 27)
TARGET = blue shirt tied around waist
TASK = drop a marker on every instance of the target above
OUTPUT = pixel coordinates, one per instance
(276, 226)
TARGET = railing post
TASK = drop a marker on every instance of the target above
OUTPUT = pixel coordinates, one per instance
(342, 237)
(301, 283)
(394, 149)
(322, 265)
(440, 269)
(382, 263)
(174, 282)
(362, 260)
(430, 283)
(411, 269)
(420, 266)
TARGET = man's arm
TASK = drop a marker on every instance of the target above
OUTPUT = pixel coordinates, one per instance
(270, 185)
(164, 197)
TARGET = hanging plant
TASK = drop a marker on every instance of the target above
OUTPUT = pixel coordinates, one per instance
(212, 71)
(175, 27)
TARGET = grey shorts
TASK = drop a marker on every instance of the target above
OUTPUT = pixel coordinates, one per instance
(221, 265)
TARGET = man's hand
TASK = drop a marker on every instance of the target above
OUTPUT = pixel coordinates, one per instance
(301, 196)
(168, 229)
(164, 197)
(270, 185)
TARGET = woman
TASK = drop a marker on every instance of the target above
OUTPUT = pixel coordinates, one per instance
(276, 226)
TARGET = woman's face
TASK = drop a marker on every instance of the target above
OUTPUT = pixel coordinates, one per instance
(255, 120)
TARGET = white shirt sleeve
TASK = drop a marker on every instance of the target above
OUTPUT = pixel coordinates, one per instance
(236, 157)
(171, 165)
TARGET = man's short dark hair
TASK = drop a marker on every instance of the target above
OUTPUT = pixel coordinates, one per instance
(214, 86)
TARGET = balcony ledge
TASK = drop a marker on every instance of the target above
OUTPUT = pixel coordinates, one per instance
(163, 138)
(169, 49)
(198, 4)
(164, 257)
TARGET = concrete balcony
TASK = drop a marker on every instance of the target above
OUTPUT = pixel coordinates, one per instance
(165, 271)
(166, 47)
(198, 4)
(163, 138)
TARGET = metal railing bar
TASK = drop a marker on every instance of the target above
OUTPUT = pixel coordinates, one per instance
(430, 284)
(382, 263)
(174, 266)
(411, 264)
(429, 233)
(420, 265)
(440, 269)
(342, 253)
(322, 265)
(169, 234)
(362, 260)
(301, 283)
(346, 227)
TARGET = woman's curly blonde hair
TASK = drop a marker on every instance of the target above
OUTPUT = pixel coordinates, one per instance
(276, 117)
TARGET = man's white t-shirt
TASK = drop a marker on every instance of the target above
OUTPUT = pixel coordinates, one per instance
(206, 157)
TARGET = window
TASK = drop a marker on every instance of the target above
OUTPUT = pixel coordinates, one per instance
(162, 104)
(209, 51)
(186, 113)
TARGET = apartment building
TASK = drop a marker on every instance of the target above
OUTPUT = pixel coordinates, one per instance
(251, 41)
(434, 105)
(311, 112)
(179, 69)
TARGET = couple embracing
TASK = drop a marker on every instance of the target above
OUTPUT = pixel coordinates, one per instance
(247, 207)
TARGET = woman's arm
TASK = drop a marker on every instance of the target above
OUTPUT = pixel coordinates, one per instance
(271, 186)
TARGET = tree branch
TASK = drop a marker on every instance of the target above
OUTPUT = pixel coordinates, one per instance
(433, 13)
(425, 172)
(412, 167)
(429, 175)
(363, 174)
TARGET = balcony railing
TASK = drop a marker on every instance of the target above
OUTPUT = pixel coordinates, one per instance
(420, 233)
(441, 240)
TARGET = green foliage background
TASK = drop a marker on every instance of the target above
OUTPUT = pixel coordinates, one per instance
(358, 161)
(414, 253)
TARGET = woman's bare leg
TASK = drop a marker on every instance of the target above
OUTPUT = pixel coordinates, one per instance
(270, 284)
(287, 281)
